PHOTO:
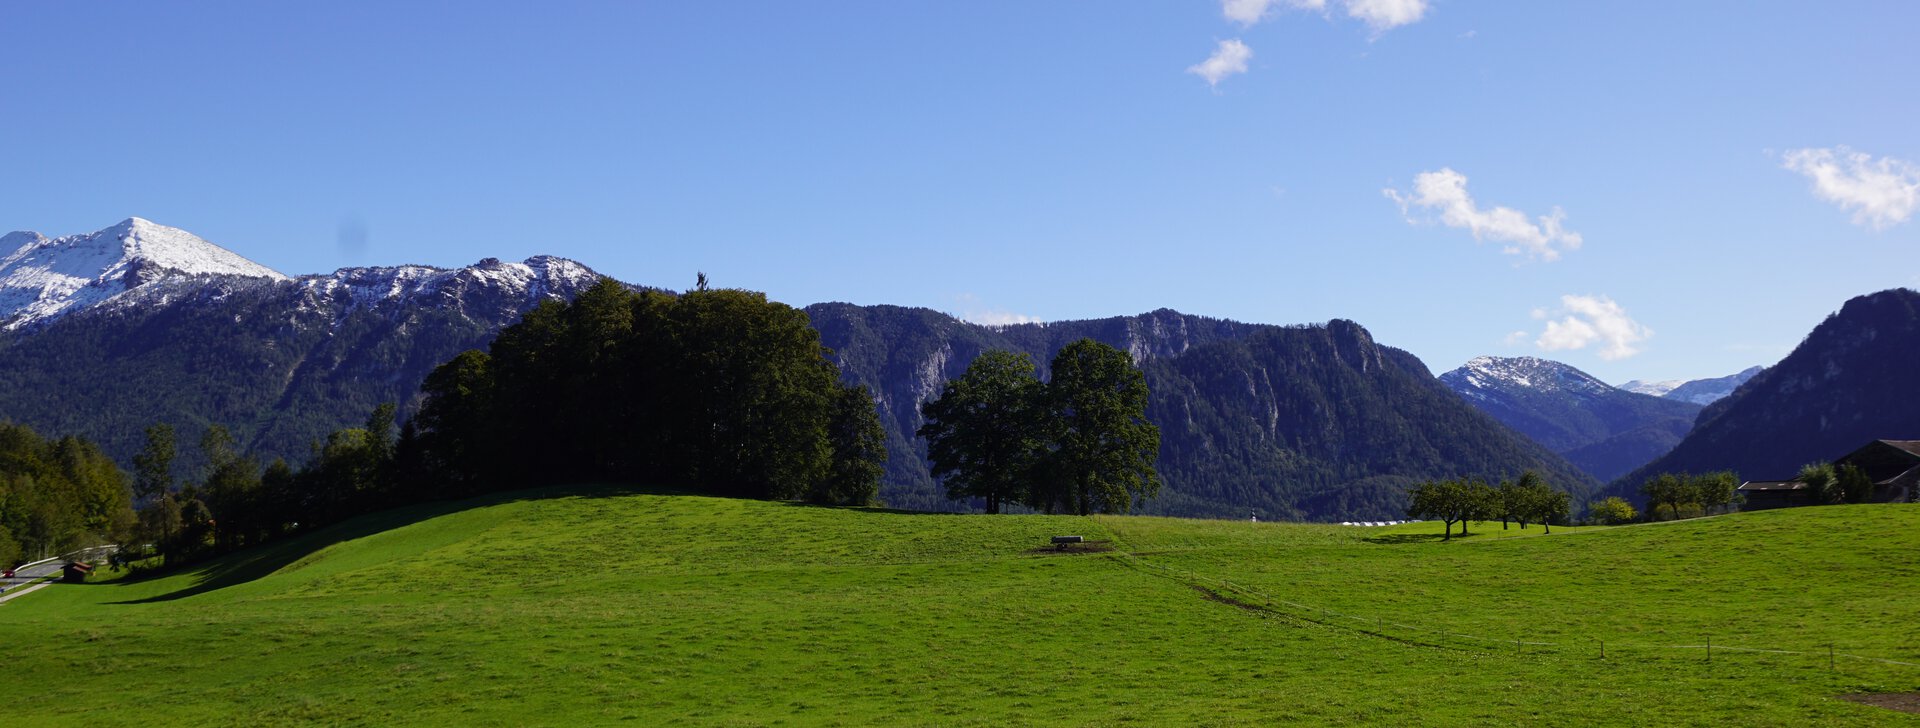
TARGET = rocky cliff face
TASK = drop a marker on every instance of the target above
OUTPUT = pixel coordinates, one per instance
(1314, 422)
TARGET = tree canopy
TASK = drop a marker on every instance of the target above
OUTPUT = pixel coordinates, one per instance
(714, 389)
(1079, 443)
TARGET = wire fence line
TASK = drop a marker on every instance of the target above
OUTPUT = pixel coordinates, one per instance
(1379, 625)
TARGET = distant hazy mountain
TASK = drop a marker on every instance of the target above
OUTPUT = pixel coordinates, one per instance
(1699, 391)
(1851, 381)
(1653, 389)
(1708, 391)
(1315, 422)
(1604, 430)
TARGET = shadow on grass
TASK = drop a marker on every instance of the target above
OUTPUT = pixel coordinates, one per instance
(1406, 538)
(247, 565)
(873, 509)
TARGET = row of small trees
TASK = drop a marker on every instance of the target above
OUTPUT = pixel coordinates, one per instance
(1708, 491)
(1528, 500)
(1078, 443)
(238, 502)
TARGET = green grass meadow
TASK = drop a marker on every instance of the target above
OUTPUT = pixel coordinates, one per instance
(596, 606)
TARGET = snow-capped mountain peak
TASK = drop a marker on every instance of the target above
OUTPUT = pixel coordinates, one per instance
(1653, 389)
(44, 278)
(1522, 372)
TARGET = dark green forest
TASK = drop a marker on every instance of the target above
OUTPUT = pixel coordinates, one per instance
(56, 495)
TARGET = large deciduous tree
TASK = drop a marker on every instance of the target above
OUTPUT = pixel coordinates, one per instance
(1105, 448)
(985, 433)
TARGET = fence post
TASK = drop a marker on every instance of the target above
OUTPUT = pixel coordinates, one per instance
(1829, 655)
(1709, 650)
(1603, 649)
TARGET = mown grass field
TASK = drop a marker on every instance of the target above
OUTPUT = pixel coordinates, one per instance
(590, 607)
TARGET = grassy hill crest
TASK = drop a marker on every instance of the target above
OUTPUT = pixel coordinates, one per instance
(600, 604)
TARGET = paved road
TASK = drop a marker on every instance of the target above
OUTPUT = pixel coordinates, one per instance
(34, 572)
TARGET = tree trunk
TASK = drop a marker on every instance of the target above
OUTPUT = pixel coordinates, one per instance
(1449, 536)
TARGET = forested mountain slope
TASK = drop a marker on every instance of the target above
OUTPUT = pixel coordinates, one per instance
(1854, 379)
(1604, 430)
(1314, 422)
(281, 362)
(140, 323)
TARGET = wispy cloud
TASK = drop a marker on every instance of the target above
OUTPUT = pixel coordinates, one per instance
(1445, 191)
(1249, 12)
(974, 312)
(1385, 15)
(1228, 59)
(1583, 321)
(1880, 192)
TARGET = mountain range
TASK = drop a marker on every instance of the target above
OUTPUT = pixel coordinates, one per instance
(1852, 380)
(1314, 422)
(1699, 391)
(105, 333)
(109, 332)
(1604, 430)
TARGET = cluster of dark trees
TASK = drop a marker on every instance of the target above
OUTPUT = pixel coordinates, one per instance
(1462, 500)
(1078, 443)
(718, 391)
(721, 391)
(1702, 494)
(56, 495)
(1844, 484)
(238, 502)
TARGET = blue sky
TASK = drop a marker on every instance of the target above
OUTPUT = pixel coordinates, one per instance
(1732, 171)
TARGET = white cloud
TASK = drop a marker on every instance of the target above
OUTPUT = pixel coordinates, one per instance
(1880, 192)
(974, 313)
(1000, 318)
(1385, 15)
(1515, 338)
(1249, 12)
(1246, 12)
(1446, 191)
(1230, 58)
(1593, 320)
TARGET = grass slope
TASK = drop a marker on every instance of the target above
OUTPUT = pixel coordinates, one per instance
(588, 607)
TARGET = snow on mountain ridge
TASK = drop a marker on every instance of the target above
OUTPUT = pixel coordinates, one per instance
(45, 278)
(507, 285)
(1698, 391)
(1653, 389)
(137, 263)
(1526, 372)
